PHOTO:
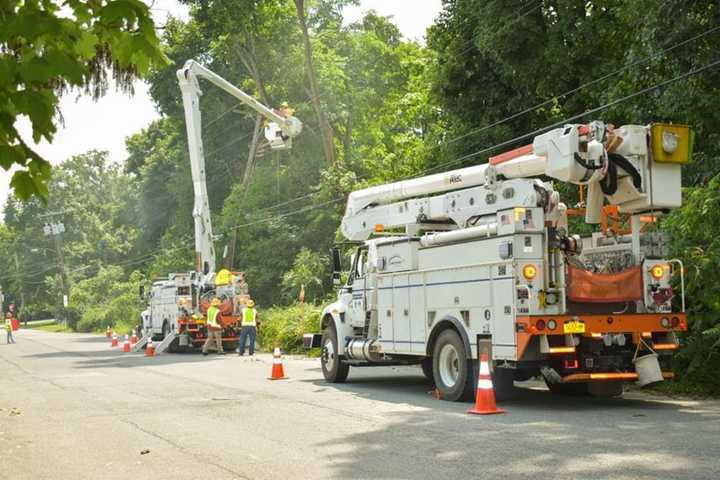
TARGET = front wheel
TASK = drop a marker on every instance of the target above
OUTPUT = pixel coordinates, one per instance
(334, 370)
(452, 371)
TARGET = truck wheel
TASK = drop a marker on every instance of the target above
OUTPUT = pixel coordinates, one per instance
(605, 389)
(175, 344)
(427, 369)
(578, 389)
(333, 369)
(452, 371)
(504, 383)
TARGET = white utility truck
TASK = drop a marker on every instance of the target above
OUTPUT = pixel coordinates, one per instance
(177, 306)
(483, 258)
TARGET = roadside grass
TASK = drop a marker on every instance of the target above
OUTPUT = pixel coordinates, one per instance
(51, 327)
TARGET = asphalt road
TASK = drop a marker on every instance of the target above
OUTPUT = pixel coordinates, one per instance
(71, 407)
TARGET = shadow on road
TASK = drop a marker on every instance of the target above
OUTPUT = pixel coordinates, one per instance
(541, 435)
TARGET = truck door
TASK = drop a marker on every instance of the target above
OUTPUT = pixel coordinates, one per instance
(358, 282)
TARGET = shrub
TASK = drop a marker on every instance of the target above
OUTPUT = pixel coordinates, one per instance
(286, 325)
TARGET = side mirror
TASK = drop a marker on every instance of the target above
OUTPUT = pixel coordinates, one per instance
(141, 292)
(335, 266)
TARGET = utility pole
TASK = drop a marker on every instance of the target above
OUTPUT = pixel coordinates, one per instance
(54, 230)
(20, 284)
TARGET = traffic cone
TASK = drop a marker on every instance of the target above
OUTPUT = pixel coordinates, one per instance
(277, 372)
(150, 349)
(134, 338)
(114, 342)
(108, 332)
(126, 345)
(485, 398)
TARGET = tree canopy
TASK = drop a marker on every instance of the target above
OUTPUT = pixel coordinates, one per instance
(48, 47)
(375, 107)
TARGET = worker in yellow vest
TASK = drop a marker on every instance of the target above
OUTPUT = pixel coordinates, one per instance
(8, 329)
(214, 330)
(248, 324)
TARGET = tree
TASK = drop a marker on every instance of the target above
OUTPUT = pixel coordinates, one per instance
(44, 52)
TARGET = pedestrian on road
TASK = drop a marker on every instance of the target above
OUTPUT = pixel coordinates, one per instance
(248, 328)
(214, 329)
(9, 330)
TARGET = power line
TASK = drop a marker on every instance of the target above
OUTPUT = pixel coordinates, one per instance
(581, 87)
(591, 111)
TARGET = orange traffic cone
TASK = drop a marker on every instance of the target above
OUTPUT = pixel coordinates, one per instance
(150, 349)
(126, 345)
(485, 398)
(114, 342)
(108, 332)
(134, 338)
(277, 372)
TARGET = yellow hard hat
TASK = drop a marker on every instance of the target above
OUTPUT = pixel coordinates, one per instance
(251, 303)
(215, 302)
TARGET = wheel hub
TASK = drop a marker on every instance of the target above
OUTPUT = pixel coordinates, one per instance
(449, 365)
(328, 355)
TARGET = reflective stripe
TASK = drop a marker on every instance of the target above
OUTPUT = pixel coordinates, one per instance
(276, 352)
(277, 360)
(485, 384)
(484, 368)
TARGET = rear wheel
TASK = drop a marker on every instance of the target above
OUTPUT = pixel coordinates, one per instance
(605, 389)
(578, 389)
(334, 370)
(452, 371)
(427, 369)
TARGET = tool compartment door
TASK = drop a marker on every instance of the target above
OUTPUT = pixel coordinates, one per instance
(401, 314)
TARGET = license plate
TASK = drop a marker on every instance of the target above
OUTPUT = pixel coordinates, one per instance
(574, 327)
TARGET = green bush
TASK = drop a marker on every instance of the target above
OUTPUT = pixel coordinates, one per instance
(105, 300)
(695, 238)
(286, 325)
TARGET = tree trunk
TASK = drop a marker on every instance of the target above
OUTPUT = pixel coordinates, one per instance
(325, 128)
(249, 166)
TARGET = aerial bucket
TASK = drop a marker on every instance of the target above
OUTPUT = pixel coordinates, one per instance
(648, 369)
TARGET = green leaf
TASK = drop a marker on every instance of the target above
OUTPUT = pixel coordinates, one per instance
(86, 45)
(10, 154)
(23, 184)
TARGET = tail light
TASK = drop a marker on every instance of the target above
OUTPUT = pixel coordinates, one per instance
(540, 324)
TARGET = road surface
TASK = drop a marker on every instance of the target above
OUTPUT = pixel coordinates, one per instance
(71, 407)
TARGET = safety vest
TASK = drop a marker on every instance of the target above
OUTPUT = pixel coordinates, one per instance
(8, 326)
(212, 314)
(248, 317)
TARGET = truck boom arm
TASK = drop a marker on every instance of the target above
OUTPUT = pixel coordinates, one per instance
(279, 132)
(616, 164)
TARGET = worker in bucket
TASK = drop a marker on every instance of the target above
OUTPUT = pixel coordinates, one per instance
(9, 330)
(248, 324)
(214, 330)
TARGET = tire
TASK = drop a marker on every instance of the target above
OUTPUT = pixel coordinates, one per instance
(503, 383)
(174, 346)
(578, 389)
(605, 389)
(452, 371)
(427, 369)
(334, 370)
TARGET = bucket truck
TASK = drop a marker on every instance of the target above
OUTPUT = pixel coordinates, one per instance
(177, 306)
(483, 259)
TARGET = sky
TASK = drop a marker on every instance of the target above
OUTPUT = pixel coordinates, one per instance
(104, 125)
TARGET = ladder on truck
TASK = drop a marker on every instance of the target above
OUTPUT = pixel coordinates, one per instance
(169, 338)
(141, 343)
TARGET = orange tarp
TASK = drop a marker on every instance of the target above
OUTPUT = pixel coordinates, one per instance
(584, 286)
